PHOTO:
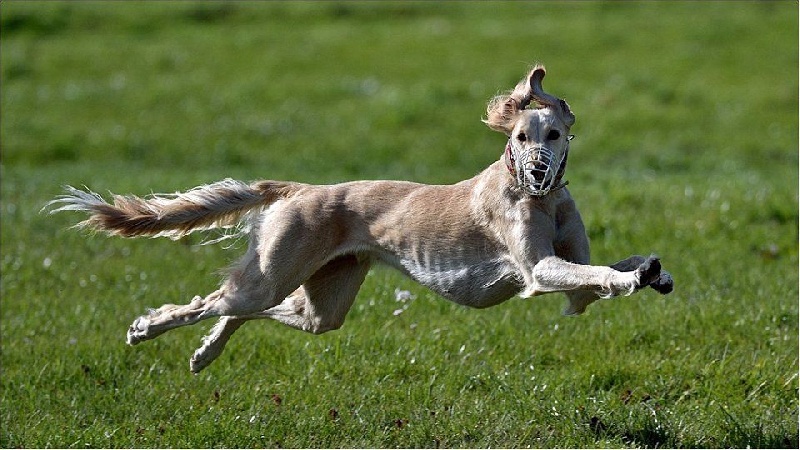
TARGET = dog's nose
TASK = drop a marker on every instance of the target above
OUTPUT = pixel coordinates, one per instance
(539, 170)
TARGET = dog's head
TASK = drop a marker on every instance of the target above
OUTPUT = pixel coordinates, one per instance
(539, 137)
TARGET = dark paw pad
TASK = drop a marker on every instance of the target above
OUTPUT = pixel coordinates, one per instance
(664, 284)
(649, 271)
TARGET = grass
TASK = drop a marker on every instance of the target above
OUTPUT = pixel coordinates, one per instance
(687, 146)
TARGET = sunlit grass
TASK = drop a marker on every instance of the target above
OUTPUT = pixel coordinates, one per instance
(686, 146)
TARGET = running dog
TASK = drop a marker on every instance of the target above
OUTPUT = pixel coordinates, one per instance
(511, 230)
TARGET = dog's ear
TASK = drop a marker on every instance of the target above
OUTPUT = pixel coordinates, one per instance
(501, 113)
(502, 110)
(540, 96)
(566, 113)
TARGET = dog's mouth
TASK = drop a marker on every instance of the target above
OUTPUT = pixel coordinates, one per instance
(535, 169)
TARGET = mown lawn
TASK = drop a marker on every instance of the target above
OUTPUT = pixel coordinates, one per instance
(687, 127)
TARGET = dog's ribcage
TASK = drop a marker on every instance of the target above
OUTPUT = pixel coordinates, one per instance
(464, 266)
(460, 274)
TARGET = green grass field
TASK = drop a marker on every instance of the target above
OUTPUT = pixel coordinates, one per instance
(687, 146)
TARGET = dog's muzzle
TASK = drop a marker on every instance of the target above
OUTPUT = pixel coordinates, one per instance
(535, 169)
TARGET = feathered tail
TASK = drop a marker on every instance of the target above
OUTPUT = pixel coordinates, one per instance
(217, 205)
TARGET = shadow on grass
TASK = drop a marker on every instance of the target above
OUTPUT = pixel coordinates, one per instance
(653, 434)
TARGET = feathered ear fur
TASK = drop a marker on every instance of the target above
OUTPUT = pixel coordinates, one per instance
(502, 110)
(501, 113)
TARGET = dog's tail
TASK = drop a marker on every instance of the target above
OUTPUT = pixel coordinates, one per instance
(217, 205)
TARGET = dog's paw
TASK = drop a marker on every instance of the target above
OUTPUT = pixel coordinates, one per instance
(648, 271)
(664, 284)
(201, 358)
(137, 332)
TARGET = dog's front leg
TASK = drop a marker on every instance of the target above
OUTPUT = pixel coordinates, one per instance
(663, 284)
(553, 274)
(572, 245)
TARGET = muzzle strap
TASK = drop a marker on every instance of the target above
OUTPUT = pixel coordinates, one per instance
(510, 162)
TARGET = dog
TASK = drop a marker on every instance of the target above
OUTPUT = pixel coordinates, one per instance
(512, 230)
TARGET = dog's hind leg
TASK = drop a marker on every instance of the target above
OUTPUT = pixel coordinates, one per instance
(319, 305)
(167, 317)
(214, 342)
(329, 294)
(219, 303)
(216, 339)
(248, 290)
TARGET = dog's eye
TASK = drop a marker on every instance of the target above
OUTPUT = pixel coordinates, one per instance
(553, 135)
(522, 137)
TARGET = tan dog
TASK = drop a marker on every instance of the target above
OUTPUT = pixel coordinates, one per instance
(510, 230)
